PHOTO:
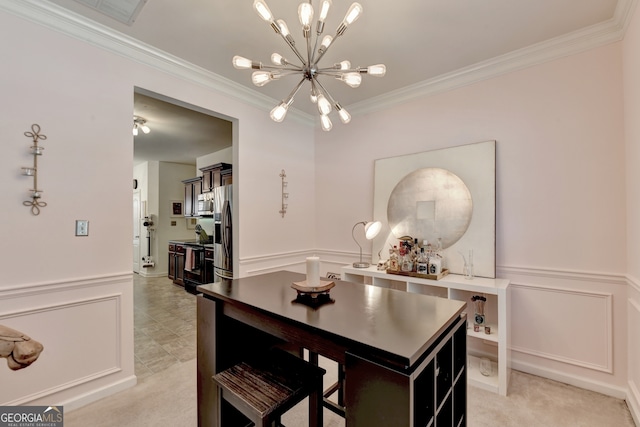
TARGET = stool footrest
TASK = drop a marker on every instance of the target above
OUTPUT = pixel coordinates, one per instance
(265, 389)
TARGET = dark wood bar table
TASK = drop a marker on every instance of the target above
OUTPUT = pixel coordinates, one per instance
(404, 354)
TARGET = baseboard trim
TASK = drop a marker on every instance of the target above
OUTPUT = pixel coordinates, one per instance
(563, 377)
(94, 395)
(633, 402)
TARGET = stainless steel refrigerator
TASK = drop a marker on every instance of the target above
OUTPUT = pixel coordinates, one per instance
(222, 249)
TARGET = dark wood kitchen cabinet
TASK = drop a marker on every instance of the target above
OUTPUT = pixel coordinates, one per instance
(208, 265)
(176, 263)
(192, 189)
(215, 176)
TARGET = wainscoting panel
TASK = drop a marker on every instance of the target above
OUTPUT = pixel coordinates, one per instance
(86, 328)
(564, 325)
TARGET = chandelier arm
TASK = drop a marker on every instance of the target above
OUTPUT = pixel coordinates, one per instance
(293, 48)
(325, 51)
(325, 91)
(307, 34)
(289, 67)
(289, 99)
(315, 51)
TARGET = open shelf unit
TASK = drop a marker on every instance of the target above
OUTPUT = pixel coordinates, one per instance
(455, 286)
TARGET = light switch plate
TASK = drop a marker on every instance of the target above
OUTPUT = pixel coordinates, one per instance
(82, 227)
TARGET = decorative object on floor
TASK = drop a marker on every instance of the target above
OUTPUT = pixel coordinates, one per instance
(485, 366)
(36, 203)
(371, 230)
(309, 70)
(409, 205)
(140, 123)
(283, 209)
(18, 348)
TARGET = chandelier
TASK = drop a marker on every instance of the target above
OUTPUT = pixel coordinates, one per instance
(309, 69)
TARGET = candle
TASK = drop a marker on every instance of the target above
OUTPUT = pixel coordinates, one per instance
(313, 271)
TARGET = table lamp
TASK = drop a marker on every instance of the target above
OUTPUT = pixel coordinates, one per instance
(371, 230)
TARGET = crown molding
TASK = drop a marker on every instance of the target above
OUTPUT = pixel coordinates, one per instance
(59, 19)
(569, 44)
(74, 25)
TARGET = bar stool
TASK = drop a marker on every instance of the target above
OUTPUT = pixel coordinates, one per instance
(263, 390)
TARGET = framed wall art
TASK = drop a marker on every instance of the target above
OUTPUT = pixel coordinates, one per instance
(445, 196)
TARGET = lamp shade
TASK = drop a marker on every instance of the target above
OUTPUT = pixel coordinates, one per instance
(371, 229)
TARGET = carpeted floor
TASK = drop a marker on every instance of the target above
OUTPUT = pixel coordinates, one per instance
(166, 391)
(168, 398)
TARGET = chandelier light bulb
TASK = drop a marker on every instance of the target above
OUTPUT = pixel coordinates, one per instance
(278, 59)
(135, 130)
(324, 106)
(352, 79)
(353, 13)
(378, 70)
(305, 14)
(326, 41)
(241, 63)
(284, 30)
(263, 10)
(324, 10)
(313, 96)
(261, 78)
(344, 65)
(145, 128)
(345, 117)
(326, 123)
(279, 112)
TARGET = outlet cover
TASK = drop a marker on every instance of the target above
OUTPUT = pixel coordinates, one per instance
(82, 227)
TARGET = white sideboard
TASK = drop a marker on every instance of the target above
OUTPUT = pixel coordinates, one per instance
(495, 346)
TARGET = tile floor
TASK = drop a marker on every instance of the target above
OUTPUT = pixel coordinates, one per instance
(164, 325)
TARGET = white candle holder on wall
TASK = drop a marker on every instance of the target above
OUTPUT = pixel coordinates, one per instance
(285, 195)
(35, 203)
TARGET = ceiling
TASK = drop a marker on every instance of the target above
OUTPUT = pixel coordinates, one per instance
(418, 40)
(179, 133)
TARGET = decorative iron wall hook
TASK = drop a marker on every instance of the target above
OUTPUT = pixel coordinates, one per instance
(285, 195)
(36, 203)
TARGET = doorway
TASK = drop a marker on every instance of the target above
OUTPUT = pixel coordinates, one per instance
(182, 138)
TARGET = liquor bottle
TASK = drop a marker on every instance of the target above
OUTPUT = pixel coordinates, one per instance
(423, 263)
(393, 259)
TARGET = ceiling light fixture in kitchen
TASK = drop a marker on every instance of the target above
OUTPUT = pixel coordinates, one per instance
(309, 70)
(140, 123)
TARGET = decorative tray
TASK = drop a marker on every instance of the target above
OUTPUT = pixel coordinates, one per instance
(444, 272)
(304, 288)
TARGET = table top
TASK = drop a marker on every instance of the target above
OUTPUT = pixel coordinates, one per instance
(401, 324)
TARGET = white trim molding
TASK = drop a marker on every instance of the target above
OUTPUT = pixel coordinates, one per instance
(75, 25)
(49, 312)
(633, 392)
(603, 316)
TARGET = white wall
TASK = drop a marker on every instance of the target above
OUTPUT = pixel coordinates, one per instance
(631, 70)
(561, 208)
(222, 156)
(560, 201)
(74, 294)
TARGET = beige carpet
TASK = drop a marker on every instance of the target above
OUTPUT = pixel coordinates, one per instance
(168, 398)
